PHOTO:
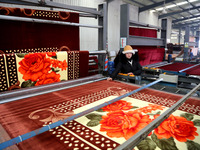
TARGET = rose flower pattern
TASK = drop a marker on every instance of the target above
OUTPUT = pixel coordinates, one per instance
(177, 127)
(150, 108)
(119, 105)
(34, 65)
(41, 68)
(123, 124)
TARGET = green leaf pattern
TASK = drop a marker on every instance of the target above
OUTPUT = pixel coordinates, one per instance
(146, 144)
(94, 119)
(28, 83)
(188, 116)
(164, 144)
(191, 145)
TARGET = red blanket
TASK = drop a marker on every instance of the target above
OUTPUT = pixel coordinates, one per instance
(20, 36)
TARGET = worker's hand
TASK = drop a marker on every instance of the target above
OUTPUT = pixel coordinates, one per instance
(130, 73)
(109, 79)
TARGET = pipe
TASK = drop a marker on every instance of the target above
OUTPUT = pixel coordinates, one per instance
(39, 90)
(97, 52)
(60, 122)
(14, 18)
(137, 138)
(188, 68)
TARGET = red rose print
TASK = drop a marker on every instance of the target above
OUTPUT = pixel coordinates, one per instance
(177, 127)
(120, 124)
(48, 78)
(34, 65)
(150, 108)
(119, 105)
(50, 54)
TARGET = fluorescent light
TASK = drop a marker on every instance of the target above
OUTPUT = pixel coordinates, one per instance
(174, 5)
(171, 6)
(181, 3)
(159, 9)
(152, 11)
(192, 1)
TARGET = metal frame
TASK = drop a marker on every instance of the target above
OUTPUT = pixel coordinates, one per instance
(14, 18)
(177, 12)
(179, 20)
(45, 3)
(26, 136)
(144, 41)
(101, 60)
(125, 22)
(143, 24)
(154, 5)
(18, 94)
(101, 13)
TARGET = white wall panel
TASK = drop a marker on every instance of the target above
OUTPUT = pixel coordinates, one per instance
(149, 18)
(88, 36)
(169, 29)
(114, 23)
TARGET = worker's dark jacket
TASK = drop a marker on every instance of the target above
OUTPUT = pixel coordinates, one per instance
(124, 66)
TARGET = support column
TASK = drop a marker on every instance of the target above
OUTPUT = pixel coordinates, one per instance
(179, 36)
(124, 24)
(102, 33)
(164, 34)
(186, 42)
(102, 21)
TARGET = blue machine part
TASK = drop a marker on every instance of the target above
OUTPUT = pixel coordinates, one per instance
(110, 67)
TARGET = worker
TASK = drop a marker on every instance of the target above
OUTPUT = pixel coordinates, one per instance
(128, 64)
(191, 54)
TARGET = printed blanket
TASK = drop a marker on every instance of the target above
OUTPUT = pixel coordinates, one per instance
(22, 70)
(107, 127)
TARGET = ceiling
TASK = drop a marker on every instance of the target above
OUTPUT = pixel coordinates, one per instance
(182, 12)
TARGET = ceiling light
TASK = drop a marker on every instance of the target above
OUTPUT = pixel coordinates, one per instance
(171, 6)
(152, 11)
(181, 3)
(159, 9)
(174, 5)
(192, 1)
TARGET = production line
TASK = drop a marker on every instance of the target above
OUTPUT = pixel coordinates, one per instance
(54, 95)
(81, 125)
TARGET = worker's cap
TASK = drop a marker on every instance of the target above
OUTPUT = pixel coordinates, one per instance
(129, 49)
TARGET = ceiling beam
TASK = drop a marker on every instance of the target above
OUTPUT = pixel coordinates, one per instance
(182, 9)
(178, 20)
(177, 27)
(177, 12)
(169, 9)
(154, 5)
(137, 2)
(186, 24)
